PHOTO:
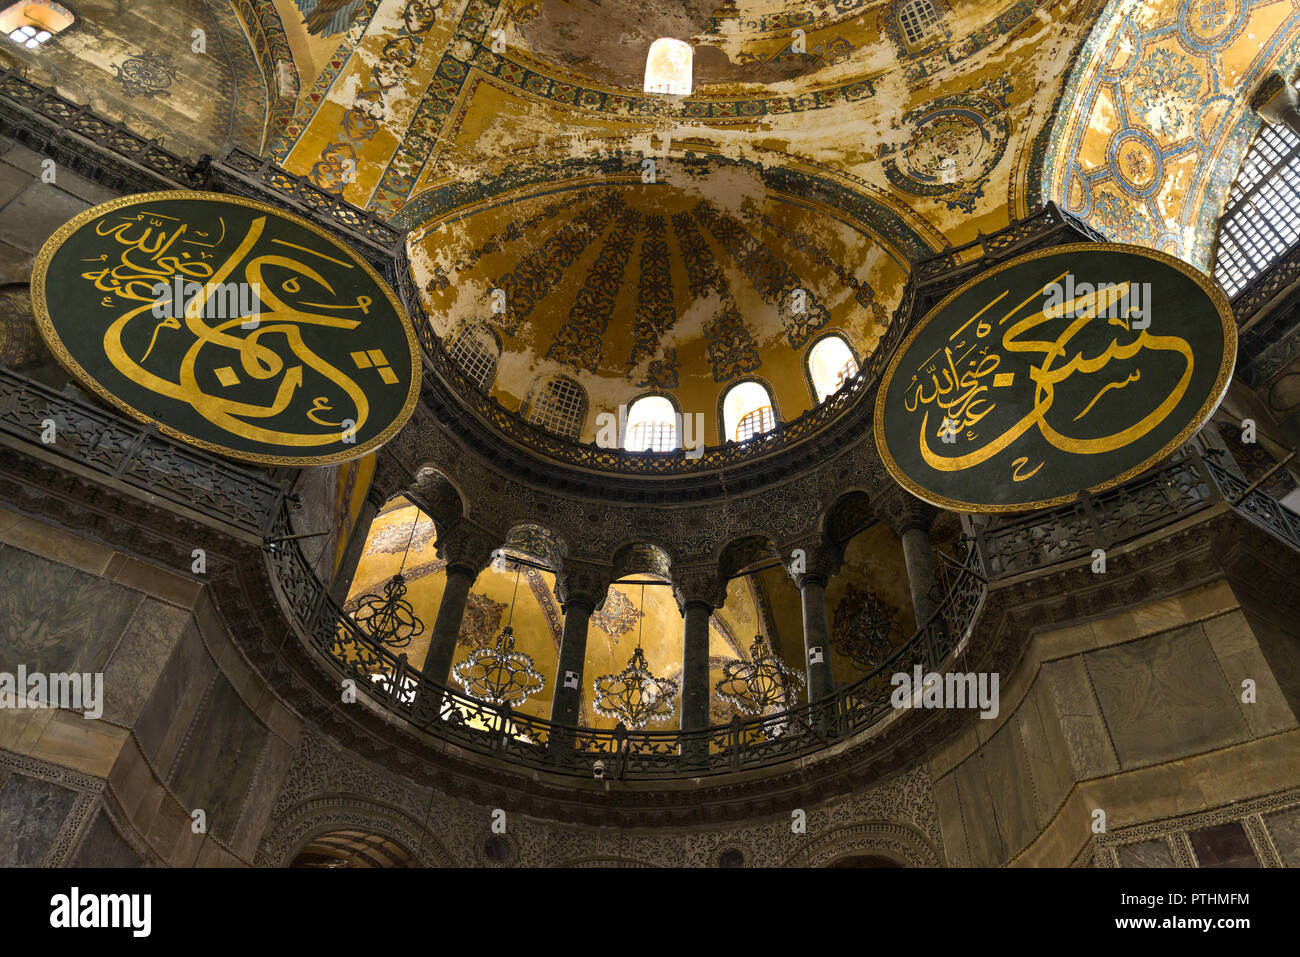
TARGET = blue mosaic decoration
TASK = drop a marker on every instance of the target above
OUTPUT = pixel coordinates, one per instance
(957, 142)
(1163, 81)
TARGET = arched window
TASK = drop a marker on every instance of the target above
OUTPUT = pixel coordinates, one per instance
(651, 425)
(668, 67)
(476, 351)
(747, 411)
(31, 23)
(917, 19)
(1262, 219)
(830, 365)
(557, 404)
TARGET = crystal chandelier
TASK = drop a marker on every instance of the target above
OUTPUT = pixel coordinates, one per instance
(635, 696)
(501, 675)
(760, 684)
(389, 618)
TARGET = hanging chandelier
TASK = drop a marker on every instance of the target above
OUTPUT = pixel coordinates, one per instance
(389, 618)
(756, 686)
(635, 695)
(500, 675)
(868, 636)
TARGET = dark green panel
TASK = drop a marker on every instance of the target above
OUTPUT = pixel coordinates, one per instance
(221, 754)
(286, 348)
(1008, 397)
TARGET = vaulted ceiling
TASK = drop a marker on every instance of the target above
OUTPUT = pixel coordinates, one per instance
(820, 150)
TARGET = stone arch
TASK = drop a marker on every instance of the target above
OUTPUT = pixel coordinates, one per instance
(294, 829)
(641, 557)
(537, 541)
(1165, 89)
(353, 848)
(900, 843)
(438, 497)
(851, 513)
(740, 553)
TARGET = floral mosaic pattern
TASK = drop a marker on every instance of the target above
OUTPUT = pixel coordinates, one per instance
(617, 616)
(1161, 101)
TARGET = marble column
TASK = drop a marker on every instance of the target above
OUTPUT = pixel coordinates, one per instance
(467, 552)
(446, 627)
(820, 560)
(922, 578)
(695, 691)
(573, 654)
(699, 590)
(581, 586)
(910, 518)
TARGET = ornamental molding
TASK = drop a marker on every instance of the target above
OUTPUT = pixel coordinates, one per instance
(1211, 546)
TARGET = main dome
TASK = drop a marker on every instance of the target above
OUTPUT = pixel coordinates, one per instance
(677, 275)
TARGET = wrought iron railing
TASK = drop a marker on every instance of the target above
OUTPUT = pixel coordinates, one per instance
(48, 423)
(522, 738)
(79, 139)
(1164, 495)
(258, 177)
(113, 155)
(78, 431)
(1186, 484)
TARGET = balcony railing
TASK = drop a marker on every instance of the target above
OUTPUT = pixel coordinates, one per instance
(81, 433)
(49, 424)
(632, 755)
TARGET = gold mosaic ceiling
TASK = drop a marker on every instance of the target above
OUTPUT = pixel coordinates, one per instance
(431, 112)
(833, 148)
(681, 285)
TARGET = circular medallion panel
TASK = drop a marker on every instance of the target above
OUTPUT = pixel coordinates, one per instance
(236, 327)
(1068, 369)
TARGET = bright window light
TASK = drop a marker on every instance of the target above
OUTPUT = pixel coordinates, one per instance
(668, 67)
(651, 425)
(830, 364)
(31, 23)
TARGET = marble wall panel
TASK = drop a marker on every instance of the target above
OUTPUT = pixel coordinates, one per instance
(55, 618)
(222, 750)
(1165, 697)
(103, 847)
(1153, 853)
(31, 813)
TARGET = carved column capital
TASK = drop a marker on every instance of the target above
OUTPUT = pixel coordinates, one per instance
(390, 478)
(902, 511)
(698, 584)
(582, 581)
(465, 547)
(1276, 100)
(811, 560)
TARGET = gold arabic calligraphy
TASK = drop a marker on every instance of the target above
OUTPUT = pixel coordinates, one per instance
(264, 346)
(959, 382)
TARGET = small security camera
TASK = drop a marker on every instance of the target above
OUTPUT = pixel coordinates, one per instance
(598, 770)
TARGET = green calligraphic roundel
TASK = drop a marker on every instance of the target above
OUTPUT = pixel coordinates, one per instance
(1069, 369)
(236, 327)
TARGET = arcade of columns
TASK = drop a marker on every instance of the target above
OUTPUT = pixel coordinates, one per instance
(581, 586)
